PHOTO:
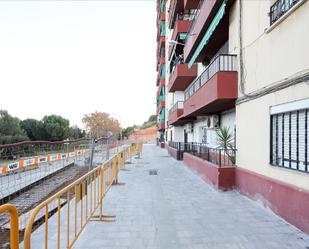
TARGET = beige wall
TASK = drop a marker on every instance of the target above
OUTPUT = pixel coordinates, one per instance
(273, 55)
(253, 135)
(270, 55)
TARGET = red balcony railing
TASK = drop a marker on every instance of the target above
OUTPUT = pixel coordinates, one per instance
(181, 26)
(180, 6)
(162, 125)
(175, 112)
(161, 105)
(158, 78)
(191, 4)
(215, 89)
(176, 6)
(181, 77)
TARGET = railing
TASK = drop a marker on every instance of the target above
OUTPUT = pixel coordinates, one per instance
(174, 145)
(195, 16)
(185, 16)
(83, 197)
(176, 106)
(221, 63)
(174, 63)
(25, 155)
(279, 8)
(218, 156)
(14, 231)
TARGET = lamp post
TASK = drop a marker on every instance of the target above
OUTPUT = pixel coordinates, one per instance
(173, 42)
(109, 135)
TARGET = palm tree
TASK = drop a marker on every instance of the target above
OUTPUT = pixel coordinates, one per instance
(226, 142)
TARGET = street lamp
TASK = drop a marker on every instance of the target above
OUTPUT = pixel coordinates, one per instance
(173, 42)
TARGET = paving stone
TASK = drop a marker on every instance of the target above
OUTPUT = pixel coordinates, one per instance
(177, 209)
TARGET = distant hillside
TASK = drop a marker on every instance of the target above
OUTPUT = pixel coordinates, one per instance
(144, 134)
(152, 120)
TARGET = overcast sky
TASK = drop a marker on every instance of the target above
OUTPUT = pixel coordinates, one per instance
(75, 57)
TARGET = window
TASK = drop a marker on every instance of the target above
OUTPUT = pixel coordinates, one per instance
(289, 140)
(279, 8)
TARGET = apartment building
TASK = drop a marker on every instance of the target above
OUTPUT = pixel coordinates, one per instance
(241, 68)
(160, 82)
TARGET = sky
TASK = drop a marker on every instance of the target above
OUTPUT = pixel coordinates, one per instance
(75, 57)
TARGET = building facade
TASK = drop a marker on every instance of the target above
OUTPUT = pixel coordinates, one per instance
(237, 93)
(160, 67)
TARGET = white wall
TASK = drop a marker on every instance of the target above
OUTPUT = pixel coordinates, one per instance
(227, 119)
(178, 96)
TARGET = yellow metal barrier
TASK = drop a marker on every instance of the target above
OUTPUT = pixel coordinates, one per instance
(14, 232)
(139, 148)
(83, 197)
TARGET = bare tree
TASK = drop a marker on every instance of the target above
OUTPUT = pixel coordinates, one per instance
(99, 124)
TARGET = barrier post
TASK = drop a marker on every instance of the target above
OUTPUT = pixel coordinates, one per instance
(115, 167)
(14, 231)
(139, 150)
(101, 192)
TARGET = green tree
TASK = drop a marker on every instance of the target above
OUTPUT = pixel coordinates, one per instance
(152, 118)
(10, 130)
(56, 128)
(77, 132)
(34, 129)
(126, 131)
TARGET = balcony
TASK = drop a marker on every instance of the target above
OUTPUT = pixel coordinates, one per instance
(191, 4)
(181, 77)
(176, 6)
(215, 90)
(176, 117)
(180, 6)
(175, 112)
(181, 27)
(209, 31)
(161, 43)
(162, 16)
(161, 125)
(160, 88)
(161, 60)
(158, 78)
(161, 104)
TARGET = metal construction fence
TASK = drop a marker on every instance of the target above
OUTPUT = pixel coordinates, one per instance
(73, 206)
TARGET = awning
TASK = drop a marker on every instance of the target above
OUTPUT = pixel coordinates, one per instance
(208, 33)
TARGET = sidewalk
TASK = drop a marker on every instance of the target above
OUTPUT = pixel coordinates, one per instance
(176, 209)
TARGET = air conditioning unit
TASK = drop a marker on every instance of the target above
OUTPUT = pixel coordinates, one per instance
(189, 128)
(213, 121)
